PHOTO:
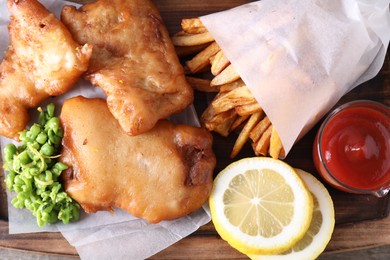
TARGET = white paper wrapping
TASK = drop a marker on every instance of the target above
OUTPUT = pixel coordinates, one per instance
(103, 235)
(299, 57)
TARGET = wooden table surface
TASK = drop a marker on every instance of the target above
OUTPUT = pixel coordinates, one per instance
(362, 222)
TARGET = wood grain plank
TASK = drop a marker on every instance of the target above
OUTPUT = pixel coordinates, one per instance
(46, 242)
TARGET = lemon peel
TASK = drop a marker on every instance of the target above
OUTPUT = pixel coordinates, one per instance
(260, 205)
(321, 228)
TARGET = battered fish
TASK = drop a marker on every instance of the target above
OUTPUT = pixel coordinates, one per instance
(162, 174)
(42, 60)
(134, 61)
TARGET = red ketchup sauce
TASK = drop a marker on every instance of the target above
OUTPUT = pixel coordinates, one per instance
(352, 148)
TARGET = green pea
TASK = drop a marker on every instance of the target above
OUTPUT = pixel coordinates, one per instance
(48, 176)
(47, 207)
(29, 204)
(41, 166)
(27, 187)
(42, 118)
(26, 173)
(23, 136)
(18, 180)
(53, 217)
(40, 220)
(10, 180)
(75, 211)
(32, 150)
(50, 109)
(54, 191)
(61, 196)
(53, 124)
(41, 138)
(65, 214)
(47, 149)
(9, 152)
(40, 181)
(60, 133)
(23, 158)
(34, 131)
(33, 171)
(54, 138)
(59, 167)
(17, 203)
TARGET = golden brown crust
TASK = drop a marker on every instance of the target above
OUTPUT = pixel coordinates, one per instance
(162, 174)
(42, 60)
(134, 61)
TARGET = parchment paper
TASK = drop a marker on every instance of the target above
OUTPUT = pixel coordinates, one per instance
(299, 57)
(103, 235)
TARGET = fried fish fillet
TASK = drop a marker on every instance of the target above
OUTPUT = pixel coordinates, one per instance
(42, 60)
(133, 61)
(162, 174)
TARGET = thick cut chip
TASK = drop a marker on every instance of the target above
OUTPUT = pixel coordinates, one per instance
(219, 63)
(189, 39)
(42, 60)
(244, 134)
(193, 25)
(228, 75)
(201, 84)
(134, 61)
(162, 174)
(202, 59)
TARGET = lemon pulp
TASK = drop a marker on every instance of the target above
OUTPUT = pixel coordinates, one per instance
(260, 205)
(255, 206)
(321, 227)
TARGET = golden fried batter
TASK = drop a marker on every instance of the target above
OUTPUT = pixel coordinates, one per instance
(134, 61)
(42, 60)
(162, 174)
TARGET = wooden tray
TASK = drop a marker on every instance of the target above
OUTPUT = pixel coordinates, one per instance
(356, 215)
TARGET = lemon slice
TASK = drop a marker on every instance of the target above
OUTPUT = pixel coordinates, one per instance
(260, 205)
(321, 227)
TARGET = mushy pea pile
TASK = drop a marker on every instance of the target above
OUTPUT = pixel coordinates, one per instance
(33, 171)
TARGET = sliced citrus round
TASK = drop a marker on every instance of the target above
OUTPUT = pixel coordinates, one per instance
(321, 228)
(260, 205)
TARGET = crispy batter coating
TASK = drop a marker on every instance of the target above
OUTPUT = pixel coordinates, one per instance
(42, 60)
(162, 174)
(133, 61)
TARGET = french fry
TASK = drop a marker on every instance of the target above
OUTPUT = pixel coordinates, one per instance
(234, 108)
(259, 129)
(211, 119)
(191, 39)
(262, 145)
(202, 59)
(229, 74)
(208, 114)
(201, 84)
(232, 85)
(238, 122)
(231, 99)
(224, 128)
(276, 147)
(193, 25)
(244, 134)
(248, 109)
(183, 51)
(219, 63)
(181, 33)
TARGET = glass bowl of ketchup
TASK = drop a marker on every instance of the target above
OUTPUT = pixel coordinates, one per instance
(352, 148)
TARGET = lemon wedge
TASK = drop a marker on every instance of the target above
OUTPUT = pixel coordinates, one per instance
(321, 228)
(260, 205)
